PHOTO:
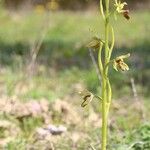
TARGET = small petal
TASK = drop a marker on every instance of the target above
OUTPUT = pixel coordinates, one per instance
(123, 56)
(123, 66)
(124, 3)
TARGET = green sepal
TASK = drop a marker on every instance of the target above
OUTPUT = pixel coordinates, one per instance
(123, 56)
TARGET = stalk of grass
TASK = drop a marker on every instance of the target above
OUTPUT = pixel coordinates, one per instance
(36, 45)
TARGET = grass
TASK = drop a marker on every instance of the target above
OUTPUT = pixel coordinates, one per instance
(67, 35)
(63, 66)
(123, 131)
(69, 23)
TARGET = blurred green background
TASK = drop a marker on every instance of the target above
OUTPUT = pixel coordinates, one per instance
(62, 37)
(43, 54)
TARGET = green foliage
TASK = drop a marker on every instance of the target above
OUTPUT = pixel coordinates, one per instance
(18, 144)
(66, 51)
(29, 124)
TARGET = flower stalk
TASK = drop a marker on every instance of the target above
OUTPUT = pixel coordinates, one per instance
(104, 64)
(106, 86)
(105, 102)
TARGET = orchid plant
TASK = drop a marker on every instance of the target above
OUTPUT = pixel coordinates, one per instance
(104, 50)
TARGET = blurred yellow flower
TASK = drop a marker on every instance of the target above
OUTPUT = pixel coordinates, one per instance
(53, 5)
(39, 9)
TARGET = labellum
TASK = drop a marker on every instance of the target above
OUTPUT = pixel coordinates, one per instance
(126, 14)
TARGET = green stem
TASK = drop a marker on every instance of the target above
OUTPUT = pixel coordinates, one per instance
(112, 43)
(101, 9)
(104, 115)
(105, 93)
(99, 59)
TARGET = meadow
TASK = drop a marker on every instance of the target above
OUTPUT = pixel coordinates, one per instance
(61, 69)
